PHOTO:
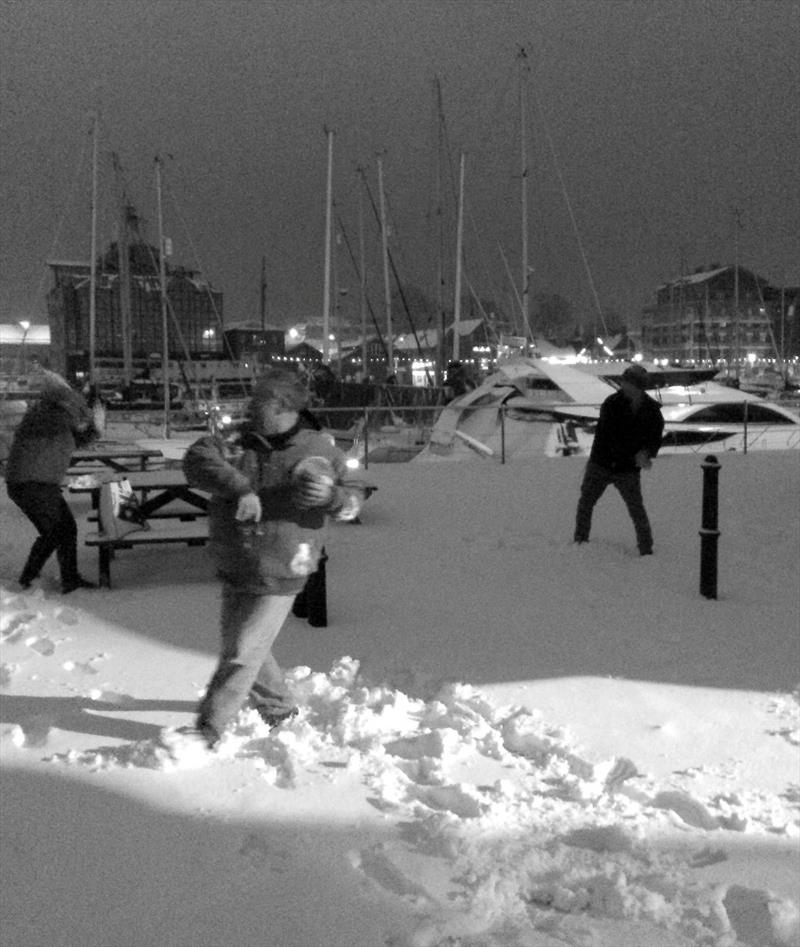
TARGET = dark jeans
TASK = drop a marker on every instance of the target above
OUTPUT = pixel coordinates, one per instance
(595, 481)
(49, 512)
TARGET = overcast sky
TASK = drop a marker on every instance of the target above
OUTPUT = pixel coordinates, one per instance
(649, 124)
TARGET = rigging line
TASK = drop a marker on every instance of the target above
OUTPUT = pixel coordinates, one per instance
(349, 247)
(196, 255)
(481, 255)
(226, 346)
(454, 191)
(488, 328)
(397, 279)
(177, 328)
(393, 228)
(568, 202)
(516, 291)
(769, 325)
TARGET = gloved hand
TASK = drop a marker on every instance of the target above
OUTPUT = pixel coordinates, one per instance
(311, 492)
(643, 460)
(249, 508)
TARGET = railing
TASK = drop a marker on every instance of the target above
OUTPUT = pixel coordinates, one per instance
(399, 433)
(385, 433)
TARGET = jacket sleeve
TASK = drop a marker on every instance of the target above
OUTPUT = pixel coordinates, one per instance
(349, 493)
(81, 420)
(206, 467)
(655, 431)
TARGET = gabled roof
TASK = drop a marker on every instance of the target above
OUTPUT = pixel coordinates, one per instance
(465, 326)
(694, 279)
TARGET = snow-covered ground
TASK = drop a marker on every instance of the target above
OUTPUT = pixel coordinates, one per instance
(504, 739)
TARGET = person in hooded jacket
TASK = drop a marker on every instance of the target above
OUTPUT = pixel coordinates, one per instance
(627, 438)
(273, 492)
(57, 423)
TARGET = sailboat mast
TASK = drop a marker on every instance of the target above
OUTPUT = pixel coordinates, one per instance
(326, 296)
(162, 272)
(440, 356)
(459, 255)
(123, 251)
(362, 285)
(93, 261)
(737, 220)
(386, 284)
(263, 293)
(523, 108)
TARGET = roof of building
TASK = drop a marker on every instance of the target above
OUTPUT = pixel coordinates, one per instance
(703, 276)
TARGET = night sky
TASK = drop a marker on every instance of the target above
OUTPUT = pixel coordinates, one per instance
(653, 126)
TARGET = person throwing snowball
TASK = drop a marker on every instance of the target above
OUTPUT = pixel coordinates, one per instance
(273, 492)
(627, 439)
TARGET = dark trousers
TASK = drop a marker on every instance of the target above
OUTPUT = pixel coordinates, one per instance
(312, 601)
(629, 485)
(49, 512)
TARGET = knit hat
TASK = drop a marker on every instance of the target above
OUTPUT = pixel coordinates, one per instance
(637, 375)
(281, 385)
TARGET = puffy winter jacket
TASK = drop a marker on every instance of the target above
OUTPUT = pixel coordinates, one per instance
(54, 425)
(622, 432)
(276, 554)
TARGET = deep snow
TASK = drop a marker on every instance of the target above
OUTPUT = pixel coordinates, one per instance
(504, 739)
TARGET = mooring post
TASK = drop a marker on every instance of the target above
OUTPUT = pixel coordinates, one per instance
(709, 532)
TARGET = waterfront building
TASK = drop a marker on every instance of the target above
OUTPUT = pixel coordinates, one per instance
(128, 315)
(723, 315)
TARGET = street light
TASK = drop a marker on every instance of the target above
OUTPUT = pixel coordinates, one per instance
(24, 325)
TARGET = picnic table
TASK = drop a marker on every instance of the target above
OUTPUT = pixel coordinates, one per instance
(186, 522)
(162, 519)
(121, 457)
(156, 489)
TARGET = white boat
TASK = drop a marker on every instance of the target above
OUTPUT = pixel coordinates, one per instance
(751, 423)
(531, 407)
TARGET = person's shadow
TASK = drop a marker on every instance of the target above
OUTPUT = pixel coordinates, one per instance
(37, 715)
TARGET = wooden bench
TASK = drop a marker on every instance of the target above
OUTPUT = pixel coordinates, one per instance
(193, 533)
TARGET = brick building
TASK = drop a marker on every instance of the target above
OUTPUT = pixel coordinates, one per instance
(194, 314)
(724, 314)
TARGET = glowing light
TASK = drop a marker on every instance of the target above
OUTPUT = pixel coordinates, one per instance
(352, 463)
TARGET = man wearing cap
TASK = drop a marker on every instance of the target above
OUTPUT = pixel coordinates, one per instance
(273, 492)
(627, 439)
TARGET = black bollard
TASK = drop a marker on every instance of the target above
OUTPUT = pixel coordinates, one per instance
(312, 601)
(709, 533)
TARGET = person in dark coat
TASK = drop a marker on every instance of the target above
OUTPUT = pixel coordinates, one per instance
(273, 492)
(57, 423)
(627, 438)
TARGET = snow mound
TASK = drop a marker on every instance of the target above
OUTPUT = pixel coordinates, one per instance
(505, 831)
